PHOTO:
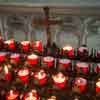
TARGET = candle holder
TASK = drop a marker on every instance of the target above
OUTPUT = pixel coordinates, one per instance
(82, 67)
(25, 46)
(15, 58)
(2, 57)
(10, 44)
(40, 77)
(68, 51)
(12, 95)
(59, 80)
(33, 59)
(48, 61)
(23, 75)
(37, 46)
(31, 95)
(83, 53)
(80, 85)
(64, 64)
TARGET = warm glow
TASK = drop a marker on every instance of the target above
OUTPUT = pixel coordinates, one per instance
(14, 55)
(82, 65)
(37, 43)
(98, 84)
(80, 81)
(9, 41)
(41, 74)
(59, 78)
(67, 48)
(52, 98)
(11, 92)
(25, 42)
(6, 69)
(23, 72)
(47, 59)
(65, 61)
(32, 56)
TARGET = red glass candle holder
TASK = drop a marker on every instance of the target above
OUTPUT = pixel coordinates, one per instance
(10, 44)
(66, 63)
(97, 87)
(69, 51)
(38, 46)
(2, 57)
(15, 57)
(7, 74)
(31, 96)
(12, 95)
(25, 45)
(82, 67)
(49, 61)
(83, 51)
(41, 77)
(81, 84)
(59, 80)
(32, 59)
(23, 75)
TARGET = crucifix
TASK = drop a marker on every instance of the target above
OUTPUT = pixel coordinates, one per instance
(51, 48)
(47, 22)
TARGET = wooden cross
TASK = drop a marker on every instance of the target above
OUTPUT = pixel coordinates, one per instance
(47, 23)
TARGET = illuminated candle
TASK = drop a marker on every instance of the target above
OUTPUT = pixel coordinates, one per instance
(82, 67)
(25, 45)
(10, 44)
(97, 87)
(49, 61)
(2, 57)
(7, 74)
(59, 80)
(81, 84)
(69, 51)
(15, 57)
(52, 98)
(37, 45)
(98, 67)
(31, 96)
(23, 75)
(41, 77)
(66, 63)
(82, 51)
(12, 95)
(32, 59)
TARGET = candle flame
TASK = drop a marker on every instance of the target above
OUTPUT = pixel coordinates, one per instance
(6, 69)
(9, 41)
(32, 56)
(98, 84)
(25, 42)
(59, 78)
(37, 43)
(11, 92)
(67, 48)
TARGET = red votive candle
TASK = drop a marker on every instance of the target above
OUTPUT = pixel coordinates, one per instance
(82, 51)
(37, 45)
(2, 57)
(97, 88)
(66, 63)
(7, 74)
(82, 67)
(98, 68)
(81, 84)
(10, 44)
(59, 80)
(12, 95)
(49, 61)
(32, 59)
(25, 46)
(68, 50)
(15, 57)
(41, 77)
(31, 96)
(23, 75)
